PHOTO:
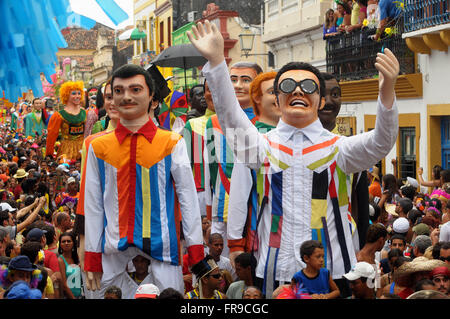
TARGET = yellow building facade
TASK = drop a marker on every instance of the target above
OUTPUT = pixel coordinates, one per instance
(155, 18)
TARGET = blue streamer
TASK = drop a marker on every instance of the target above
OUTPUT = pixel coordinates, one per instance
(113, 11)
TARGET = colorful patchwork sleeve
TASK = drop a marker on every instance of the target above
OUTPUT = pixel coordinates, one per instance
(360, 152)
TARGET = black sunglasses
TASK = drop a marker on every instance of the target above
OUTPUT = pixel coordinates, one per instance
(217, 276)
(445, 258)
(308, 86)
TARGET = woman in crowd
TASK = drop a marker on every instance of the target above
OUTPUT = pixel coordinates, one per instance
(69, 265)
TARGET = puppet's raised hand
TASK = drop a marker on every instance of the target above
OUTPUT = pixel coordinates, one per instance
(208, 40)
(388, 68)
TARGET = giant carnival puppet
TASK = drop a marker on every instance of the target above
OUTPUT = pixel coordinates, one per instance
(139, 179)
(305, 167)
(34, 121)
(68, 122)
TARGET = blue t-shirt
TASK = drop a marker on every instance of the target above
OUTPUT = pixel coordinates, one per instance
(388, 9)
(317, 285)
(332, 29)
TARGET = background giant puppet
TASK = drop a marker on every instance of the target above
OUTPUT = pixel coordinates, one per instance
(69, 121)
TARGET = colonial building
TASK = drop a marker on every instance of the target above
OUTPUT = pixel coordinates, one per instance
(421, 45)
(293, 30)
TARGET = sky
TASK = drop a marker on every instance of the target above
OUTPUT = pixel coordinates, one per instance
(91, 9)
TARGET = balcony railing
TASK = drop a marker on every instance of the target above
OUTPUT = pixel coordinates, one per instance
(421, 14)
(351, 56)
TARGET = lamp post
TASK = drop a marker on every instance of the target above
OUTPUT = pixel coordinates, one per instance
(246, 40)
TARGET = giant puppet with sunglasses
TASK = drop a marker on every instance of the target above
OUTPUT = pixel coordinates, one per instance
(305, 167)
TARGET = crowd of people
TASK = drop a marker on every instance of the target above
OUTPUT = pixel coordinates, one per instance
(351, 15)
(137, 211)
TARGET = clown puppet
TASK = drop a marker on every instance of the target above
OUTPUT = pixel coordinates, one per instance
(69, 122)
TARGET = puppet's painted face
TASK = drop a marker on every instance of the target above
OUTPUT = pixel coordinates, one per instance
(299, 109)
(267, 102)
(332, 106)
(37, 105)
(75, 97)
(131, 97)
(109, 104)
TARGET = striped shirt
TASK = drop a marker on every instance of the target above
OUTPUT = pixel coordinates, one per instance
(194, 135)
(219, 160)
(137, 185)
(306, 181)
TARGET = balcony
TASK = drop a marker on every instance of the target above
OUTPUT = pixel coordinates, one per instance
(425, 13)
(351, 58)
(427, 25)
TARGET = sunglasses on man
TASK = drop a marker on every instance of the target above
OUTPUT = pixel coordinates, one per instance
(216, 276)
(289, 85)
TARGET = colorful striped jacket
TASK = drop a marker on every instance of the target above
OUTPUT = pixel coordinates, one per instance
(138, 190)
(245, 199)
(219, 160)
(194, 136)
(306, 181)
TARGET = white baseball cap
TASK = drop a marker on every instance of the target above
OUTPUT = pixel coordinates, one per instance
(361, 269)
(147, 291)
(401, 225)
(6, 206)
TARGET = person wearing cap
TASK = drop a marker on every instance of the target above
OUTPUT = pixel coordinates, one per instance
(50, 258)
(136, 172)
(421, 229)
(146, 291)
(70, 196)
(208, 277)
(361, 279)
(6, 217)
(441, 279)
(20, 272)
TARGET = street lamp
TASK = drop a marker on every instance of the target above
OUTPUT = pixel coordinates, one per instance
(246, 40)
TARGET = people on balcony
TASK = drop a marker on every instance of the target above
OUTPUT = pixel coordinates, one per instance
(359, 14)
(389, 13)
(372, 14)
(343, 15)
(329, 25)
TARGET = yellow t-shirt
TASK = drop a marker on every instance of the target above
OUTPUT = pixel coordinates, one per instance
(355, 13)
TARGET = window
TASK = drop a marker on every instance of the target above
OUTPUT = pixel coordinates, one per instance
(407, 163)
(161, 34)
(307, 3)
(272, 7)
(288, 3)
(169, 32)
